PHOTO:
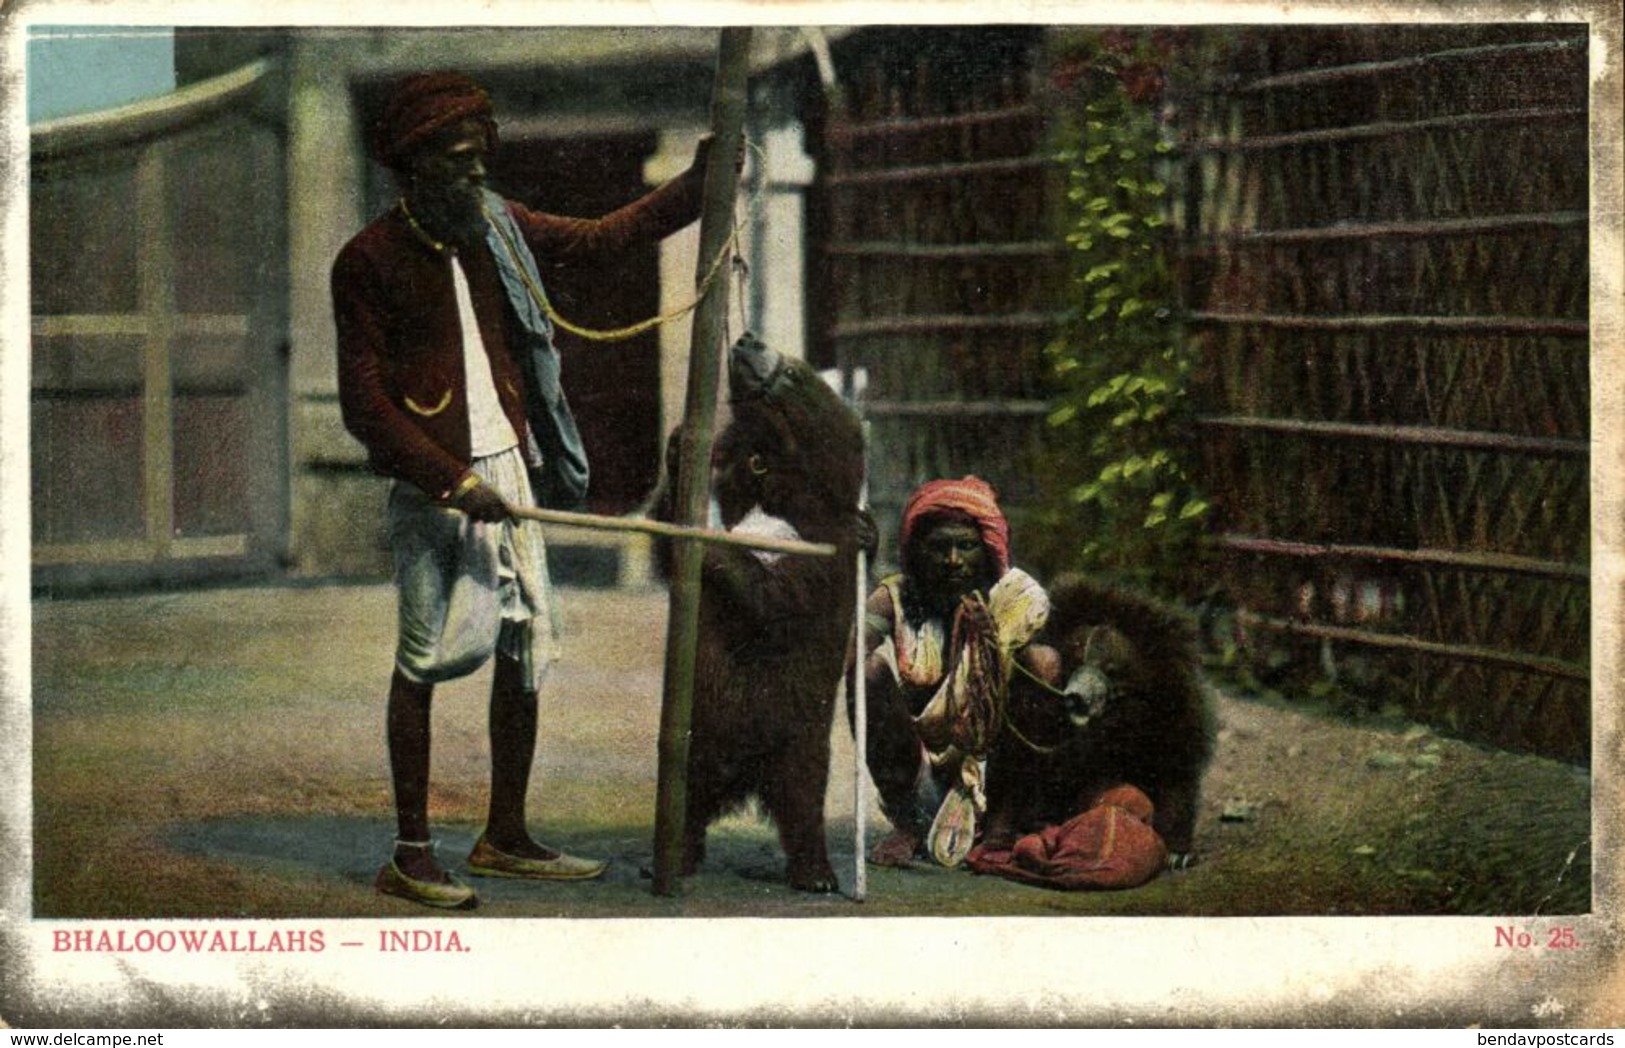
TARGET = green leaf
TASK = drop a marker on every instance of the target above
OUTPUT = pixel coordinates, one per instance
(1085, 493)
(1120, 491)
(1100, 394)
(1193, 508)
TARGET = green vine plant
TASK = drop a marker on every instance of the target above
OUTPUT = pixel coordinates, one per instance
(1122, 500)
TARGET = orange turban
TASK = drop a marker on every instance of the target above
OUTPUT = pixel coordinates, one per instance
(421, 105)
(971, 496)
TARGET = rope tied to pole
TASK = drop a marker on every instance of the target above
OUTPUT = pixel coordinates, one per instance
(620, 334)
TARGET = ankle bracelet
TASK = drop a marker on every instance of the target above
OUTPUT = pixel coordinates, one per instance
(419, 845)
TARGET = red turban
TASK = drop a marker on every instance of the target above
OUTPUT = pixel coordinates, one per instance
(421, 105)
(971, 496)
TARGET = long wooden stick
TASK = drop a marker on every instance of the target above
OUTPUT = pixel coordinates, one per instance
(693, 474)
(594, 522)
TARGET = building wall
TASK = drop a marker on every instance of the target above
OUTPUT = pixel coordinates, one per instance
(157, 449)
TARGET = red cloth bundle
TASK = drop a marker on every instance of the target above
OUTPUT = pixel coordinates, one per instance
(1110, 845)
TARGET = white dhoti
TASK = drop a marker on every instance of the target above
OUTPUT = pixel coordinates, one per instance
(468, 589)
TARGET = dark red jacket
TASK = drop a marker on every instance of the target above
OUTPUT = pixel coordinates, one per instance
(400, 363)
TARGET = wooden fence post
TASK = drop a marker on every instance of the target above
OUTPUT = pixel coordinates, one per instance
(693, 473)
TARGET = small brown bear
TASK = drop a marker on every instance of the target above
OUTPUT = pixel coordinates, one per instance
(1134, 711)
(774, 628)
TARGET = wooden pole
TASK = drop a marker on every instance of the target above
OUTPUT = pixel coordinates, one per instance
(694, 456)
(594, 522)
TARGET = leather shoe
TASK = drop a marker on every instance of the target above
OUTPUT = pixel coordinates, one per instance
(487, 861)
(452, 895)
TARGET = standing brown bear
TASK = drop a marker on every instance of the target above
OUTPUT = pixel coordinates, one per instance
(1134, 711)
(774, 628)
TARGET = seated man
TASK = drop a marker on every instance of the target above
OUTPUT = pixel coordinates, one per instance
(941, 641)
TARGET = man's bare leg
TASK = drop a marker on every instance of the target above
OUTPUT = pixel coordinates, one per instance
(407, 731)
(513, 719)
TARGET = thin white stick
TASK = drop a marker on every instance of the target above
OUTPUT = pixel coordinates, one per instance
(594, 522)
(860, 743)
(860, 706)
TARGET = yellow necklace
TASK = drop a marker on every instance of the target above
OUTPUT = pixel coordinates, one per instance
(440, 246)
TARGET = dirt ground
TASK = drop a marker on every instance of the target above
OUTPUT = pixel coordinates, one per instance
(220, 753)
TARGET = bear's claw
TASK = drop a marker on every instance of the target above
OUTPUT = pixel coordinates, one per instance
(818, 881)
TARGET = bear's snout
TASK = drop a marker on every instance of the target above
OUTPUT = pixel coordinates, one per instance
(751, 367)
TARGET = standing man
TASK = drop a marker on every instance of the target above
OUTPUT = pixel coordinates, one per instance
(448, 375)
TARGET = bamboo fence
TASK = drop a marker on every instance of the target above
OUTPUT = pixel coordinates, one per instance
(938, 257)
(1385, 265)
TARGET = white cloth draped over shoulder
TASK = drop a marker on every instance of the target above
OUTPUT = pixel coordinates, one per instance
(951, 726)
